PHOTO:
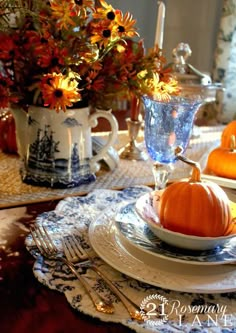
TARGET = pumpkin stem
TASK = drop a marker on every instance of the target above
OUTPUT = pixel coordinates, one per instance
(232, 143)
(196, 170)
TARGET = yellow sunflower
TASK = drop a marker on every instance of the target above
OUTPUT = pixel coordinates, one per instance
(59, 91)
(163, 90)
(104, 33)
(105, 13)
(125, 25)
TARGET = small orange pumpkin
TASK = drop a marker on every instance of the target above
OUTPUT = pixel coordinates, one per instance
(228, 131)
(222, 161)
(195, 207)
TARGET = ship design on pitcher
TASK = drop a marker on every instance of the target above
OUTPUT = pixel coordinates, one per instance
(43, 154)
(46, 163)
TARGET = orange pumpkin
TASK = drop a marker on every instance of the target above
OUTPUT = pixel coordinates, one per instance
(222, 161)
(195, 207)
(228, 131)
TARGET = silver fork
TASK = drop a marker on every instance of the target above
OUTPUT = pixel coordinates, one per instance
(76, 253)
(48, 249)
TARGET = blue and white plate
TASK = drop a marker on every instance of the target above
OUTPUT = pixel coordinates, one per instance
(136, 232)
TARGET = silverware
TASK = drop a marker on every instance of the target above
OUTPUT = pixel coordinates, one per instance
(48, 249)
(76, 253)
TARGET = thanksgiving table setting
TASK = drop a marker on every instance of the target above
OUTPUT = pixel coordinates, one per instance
(137, 256)
(126, 259)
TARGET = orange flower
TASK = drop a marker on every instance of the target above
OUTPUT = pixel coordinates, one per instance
(59, 91)
(36, 43)
(94, 82)
(104, 33)
(60, 51)
(163, 91)
(105, 13)
(126, 25)
(62, 11)
(83, 5)
(53, 58)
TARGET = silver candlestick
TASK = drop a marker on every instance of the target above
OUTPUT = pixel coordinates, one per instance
(131, 151)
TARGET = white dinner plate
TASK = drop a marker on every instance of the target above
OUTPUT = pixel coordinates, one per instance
(221, 181)
(106, 241)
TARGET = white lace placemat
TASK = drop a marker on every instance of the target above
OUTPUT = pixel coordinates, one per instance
(14, 192)
(192, 312)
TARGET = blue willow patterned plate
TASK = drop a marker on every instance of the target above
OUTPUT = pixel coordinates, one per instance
(137, 233)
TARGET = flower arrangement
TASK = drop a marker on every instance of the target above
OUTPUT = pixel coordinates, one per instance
(63, 53)
(135, 73)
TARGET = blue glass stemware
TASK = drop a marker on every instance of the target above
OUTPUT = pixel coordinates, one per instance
(167, 125)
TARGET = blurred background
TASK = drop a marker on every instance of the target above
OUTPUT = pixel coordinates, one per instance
(209, 28)
(193, 22)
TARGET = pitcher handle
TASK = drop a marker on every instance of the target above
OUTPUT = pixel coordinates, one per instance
(93, 121)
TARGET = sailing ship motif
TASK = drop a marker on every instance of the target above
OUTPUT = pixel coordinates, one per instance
(44, 148)
(42, 152)
(46, 162)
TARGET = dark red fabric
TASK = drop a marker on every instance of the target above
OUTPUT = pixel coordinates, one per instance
(26, 306)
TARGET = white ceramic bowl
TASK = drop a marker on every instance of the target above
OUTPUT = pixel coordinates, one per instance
(146, 211)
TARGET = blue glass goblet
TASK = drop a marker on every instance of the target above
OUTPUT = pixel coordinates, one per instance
(167, 125)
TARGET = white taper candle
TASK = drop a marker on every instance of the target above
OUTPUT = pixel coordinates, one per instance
(160, 24)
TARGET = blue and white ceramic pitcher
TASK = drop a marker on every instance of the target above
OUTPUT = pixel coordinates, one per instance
(56, 148)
